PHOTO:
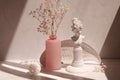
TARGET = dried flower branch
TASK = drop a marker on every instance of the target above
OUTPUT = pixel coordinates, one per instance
(50, 15)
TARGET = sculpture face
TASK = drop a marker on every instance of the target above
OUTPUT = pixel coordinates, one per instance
(76, 31)
(77, 26)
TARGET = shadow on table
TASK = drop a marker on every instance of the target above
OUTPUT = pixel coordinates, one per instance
(8, 67)
(113, 68)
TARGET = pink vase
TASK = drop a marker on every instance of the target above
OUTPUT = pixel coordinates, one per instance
(53, 53)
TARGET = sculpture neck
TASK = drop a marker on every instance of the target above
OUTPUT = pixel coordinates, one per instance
(75, 37)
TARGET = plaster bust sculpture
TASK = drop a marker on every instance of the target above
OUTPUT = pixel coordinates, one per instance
(77, 38)
(78, 65)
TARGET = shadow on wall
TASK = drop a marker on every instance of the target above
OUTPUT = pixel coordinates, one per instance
(111, 50)
(10, 13)
(111, 47)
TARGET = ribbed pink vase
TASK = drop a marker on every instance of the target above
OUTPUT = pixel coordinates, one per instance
(53, 53)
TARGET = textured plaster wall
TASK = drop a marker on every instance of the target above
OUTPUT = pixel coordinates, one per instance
(26, 43)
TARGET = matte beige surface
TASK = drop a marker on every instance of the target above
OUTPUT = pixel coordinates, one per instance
(112, 73)
(17, 70)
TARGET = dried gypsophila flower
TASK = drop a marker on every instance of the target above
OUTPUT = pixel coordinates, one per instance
(49, 14)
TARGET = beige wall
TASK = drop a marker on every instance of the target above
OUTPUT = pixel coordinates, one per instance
(20, 40)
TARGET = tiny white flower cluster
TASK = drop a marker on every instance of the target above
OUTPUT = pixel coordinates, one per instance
(34, 69)
(77, 23)
(33, 65)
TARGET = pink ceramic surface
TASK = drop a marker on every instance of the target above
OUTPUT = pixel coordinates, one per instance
(53, 54)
